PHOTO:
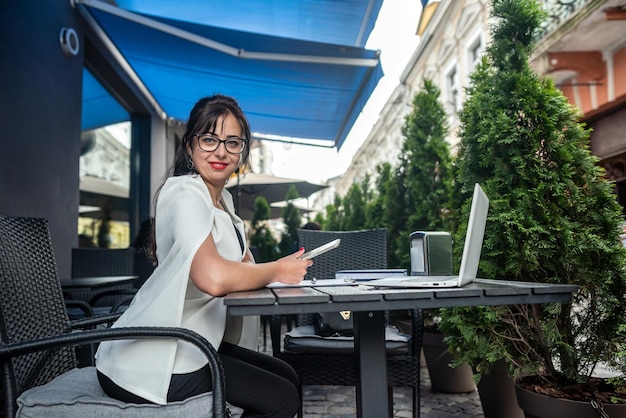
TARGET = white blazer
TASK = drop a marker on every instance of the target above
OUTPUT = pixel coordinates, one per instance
(185, 216)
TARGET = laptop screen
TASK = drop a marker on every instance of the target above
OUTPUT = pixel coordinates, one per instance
(474, 237)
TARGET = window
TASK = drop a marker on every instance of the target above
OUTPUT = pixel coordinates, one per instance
(453, 102)
(474, 53)
(104, 169)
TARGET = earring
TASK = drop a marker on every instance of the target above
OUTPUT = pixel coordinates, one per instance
(190, 163)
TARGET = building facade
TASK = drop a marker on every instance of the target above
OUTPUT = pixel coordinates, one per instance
(582, 47)
(453, 36)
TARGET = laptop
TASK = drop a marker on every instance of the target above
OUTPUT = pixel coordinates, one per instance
(471, 252)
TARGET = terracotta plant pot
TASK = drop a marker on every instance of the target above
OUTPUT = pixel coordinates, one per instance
(497, 394)
(444, 378)
(536, 405)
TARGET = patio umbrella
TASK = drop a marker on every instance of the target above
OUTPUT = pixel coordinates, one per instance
(274, 189)
(276, 210)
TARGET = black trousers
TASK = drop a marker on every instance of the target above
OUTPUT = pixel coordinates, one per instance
(263, 386)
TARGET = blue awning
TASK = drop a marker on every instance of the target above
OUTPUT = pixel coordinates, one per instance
(288, 85)
(99, 108)
(343, 22)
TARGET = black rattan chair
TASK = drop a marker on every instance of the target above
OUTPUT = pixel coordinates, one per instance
(331, 364)
(93, 262)
(96, 262)
(37, 358)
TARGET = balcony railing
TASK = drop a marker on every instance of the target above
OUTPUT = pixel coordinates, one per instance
(559, 11)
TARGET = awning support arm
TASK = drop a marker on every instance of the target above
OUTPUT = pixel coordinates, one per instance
(121, 61)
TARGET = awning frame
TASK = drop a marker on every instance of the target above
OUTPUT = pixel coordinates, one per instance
(218, 46)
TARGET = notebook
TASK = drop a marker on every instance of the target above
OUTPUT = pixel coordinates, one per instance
(471, 252)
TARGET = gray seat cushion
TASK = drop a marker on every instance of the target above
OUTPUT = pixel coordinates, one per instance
(77, 394)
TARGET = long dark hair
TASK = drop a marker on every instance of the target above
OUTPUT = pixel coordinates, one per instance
(203, 118)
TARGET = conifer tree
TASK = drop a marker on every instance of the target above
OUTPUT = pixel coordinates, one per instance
(375, 209)
(334, 215)
(262, 237)
(293, 221)
(354, 207)
(424, 170)
(553, 217)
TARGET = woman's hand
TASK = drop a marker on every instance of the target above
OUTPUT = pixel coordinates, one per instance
(291, 269)
(216, 276)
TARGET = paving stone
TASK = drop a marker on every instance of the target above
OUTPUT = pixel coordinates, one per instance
(341, 410)
(340, 401)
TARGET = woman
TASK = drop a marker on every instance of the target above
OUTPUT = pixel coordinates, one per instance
(201, 257)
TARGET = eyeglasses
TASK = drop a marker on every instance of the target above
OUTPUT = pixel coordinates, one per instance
(210, 143)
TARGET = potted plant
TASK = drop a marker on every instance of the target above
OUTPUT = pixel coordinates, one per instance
(553, 218)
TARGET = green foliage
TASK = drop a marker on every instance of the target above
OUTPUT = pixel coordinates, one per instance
(334, 216)
(415, 194)
(553, 217)
(395, 218)
(262, 237)
(425, 170)
(319, 218)
(293, 222)
(262, 211)
(375, 209)
(384, 177)
(354, 208)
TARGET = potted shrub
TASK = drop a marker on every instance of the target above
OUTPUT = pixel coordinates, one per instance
(553, 218)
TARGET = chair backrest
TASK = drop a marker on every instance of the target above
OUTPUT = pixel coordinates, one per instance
(94, 262)
(31, 300)
(365, 249)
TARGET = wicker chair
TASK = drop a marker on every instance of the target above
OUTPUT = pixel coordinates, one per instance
(331, 365)
(37, 358)
(92, 262)
(96, 262)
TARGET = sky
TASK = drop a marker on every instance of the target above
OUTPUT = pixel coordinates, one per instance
(394, 35)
